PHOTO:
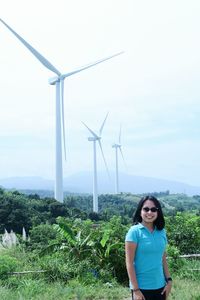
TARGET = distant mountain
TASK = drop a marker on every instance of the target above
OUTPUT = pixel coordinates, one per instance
(82, 183)
(31, 182)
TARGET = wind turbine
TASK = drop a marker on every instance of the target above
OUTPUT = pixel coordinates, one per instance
(58, 81)
(117, 146)
(96, 138)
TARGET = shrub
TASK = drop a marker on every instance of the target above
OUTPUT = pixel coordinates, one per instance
(40, 236)
(183, 231)
(7, 265)
(174, 261)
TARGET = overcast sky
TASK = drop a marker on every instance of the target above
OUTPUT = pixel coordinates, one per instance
(152, 89)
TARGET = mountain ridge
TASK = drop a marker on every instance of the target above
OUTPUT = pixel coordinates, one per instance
(82, 183)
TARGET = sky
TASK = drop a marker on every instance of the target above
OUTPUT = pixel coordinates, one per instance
(152, 89)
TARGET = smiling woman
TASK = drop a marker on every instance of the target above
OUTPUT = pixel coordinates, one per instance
(145, 252)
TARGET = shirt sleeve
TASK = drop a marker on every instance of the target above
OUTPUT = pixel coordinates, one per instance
(132, 235)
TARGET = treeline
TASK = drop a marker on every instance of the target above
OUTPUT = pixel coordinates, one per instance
(18, 210)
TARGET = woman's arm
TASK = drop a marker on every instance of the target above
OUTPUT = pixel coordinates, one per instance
(165, 266)
(130, 249)
(168, 286)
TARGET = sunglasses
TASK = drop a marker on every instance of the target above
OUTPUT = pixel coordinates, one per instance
(152, 209)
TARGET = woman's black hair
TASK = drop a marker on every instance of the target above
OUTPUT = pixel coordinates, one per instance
(159, 222)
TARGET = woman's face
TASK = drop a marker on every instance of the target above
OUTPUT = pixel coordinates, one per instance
(149, 216)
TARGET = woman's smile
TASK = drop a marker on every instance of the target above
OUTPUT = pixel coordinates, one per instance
(149, 212)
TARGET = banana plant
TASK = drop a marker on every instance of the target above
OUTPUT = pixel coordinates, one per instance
(73, 241)
(107, 245)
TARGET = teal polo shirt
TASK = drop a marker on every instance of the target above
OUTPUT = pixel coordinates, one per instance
(148, 256)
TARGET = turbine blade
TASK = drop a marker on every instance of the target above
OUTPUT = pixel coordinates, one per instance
(104, 158)
(40, 57)
(120, 131)
(101, 129)
(89, 65)
(122, 156)
(63, 115)
(92, 132)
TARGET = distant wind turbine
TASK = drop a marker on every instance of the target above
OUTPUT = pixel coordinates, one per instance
(60, 119)
(96, 137)
(117, 146)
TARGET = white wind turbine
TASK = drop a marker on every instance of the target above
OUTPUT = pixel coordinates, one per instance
(96, 137)
(117, 146)
(60, 128)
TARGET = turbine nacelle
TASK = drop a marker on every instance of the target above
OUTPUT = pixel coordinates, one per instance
(93, 138)
(53, 80)
(116, 146)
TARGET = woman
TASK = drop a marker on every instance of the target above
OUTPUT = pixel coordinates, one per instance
(145, 253)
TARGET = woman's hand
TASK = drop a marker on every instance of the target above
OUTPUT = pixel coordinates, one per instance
(167, 289)
(138, 295)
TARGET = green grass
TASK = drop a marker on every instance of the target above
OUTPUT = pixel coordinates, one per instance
(185, 290)
(32, 289)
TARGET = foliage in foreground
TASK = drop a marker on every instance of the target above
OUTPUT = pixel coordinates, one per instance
(37, 289)
(92, 251)
(73, 290)
(84, 259)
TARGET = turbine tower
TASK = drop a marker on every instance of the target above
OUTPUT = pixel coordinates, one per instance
(96, 137)
(117, 146)
(58, 81)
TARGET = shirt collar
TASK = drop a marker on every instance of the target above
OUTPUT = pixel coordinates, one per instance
(140, 225)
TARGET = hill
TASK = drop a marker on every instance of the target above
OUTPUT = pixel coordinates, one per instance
(82, 183)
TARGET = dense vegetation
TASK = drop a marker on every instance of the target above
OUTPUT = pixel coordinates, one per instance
(19, 210)
(82, 252)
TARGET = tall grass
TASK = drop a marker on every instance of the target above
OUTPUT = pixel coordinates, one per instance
(37, 289)
(185, 289)
(32, 289)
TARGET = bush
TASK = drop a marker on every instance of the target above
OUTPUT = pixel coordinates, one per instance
(7, 265)
(183, 231)
(174, 261)
(40, 236)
